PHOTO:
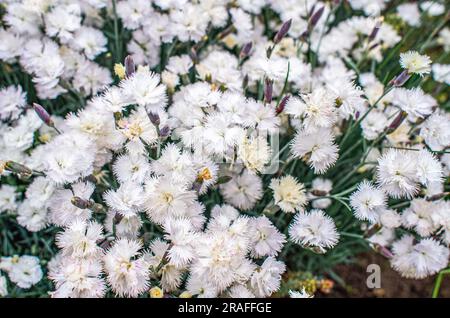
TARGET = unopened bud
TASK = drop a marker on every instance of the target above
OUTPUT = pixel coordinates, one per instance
(268, 91)
(383, 250)
(315, 18)
(223, 179)
(164, 132)
(154, 118)
(43, 114)
(80, 203)
(283, 31)
(117, 218)
(18, 168)
(401, 79)
(282, 104)
(245, 51)
(375, 30)
(130, 68)
(156, 292)
(396, 122)
(319, 193)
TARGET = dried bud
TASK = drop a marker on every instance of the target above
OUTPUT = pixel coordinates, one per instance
(130, 68)
(43, 114)
(283, 31)
(396, 122)
(18, 168)
(245, 51)
(268, 91)
(282, 104)
(80, 203)
(319, 193)
(154, 118)
(315, 18)
(400, 79)
(117, 218)
(164, 132)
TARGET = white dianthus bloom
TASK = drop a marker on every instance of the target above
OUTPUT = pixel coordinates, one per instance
(314, 230)
(12, 102)
(144, 88)
(299, 294)
(128, 199)
(265, 237)
(76, 278)
(418, 260)
(267, 279)
(243, 191)
(182, 237)
(80, 239)
(414, 102)
(368, 202)
(316, 148)
(8, 197)
(255, 153)
(240, 291)
(288, 194)
(436, 131)
(420, 216)
(317, 109)
(126, 269)
(414, 62)
(25, 271)
(31, 217)
(134, 168)
(62, 21)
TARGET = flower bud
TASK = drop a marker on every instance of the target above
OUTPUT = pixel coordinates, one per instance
(223, 179)
(164, 132)
(80, 203)
(18, 168)
(245, 51)
(130, 68)
(154, 118)
(268, 91)
(375, 30)
(283, 31)
(156, 292)
(396, 122)
(315, 18)
(400, 79)
(43, 114)
(282, 104)
(383, 251)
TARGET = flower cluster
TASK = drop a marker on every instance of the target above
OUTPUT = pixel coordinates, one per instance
(198, 148)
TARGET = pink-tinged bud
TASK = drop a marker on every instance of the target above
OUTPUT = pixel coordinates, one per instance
(383, 251)
(130, 68)
(375, 30)
(396, 122)
(43, 114)
(357, 114)
(245, 51)
(283, 31)
(282, 104)
(154, 118)
(315, 18)
(268, 91)
(197, 185)
(401, 79)
(164, 132)
(373, 46)
(18, 168)
(117, 218)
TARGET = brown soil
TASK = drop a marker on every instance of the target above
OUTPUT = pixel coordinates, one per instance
(392, 284)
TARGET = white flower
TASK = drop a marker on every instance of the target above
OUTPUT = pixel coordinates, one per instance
(31, 217)
(126, 269)
(266, 239)
(317, 108)
(3, 286)
(266, 280)
(26, 271)
(414, 62)
(62, 21)
(8, 198)
(144, 88)
(288, 194)
(240, 291)
(80, 239)
(255, 152)
(314, 230)
(299, 294)
(418, 260)
(436, 131)
(320, 187)
(242, 191)
(131, 168)
(368, 202)
(12, 102)
(409, 12)
(76, 278)
(316, 148)
(128, 200)
(414, 102)
(420, 216)
(182, 236)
